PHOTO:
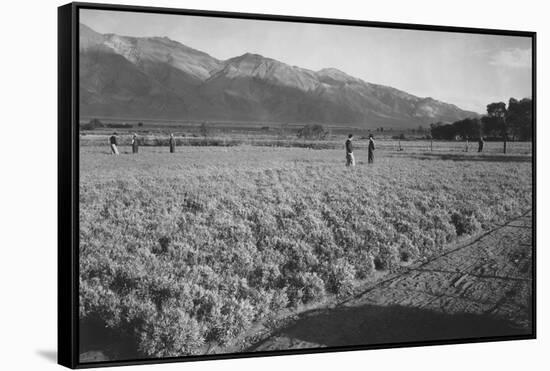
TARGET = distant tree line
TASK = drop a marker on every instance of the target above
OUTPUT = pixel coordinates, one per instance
(97, 124)
(500, 123)
(465, 129)
(313, 131)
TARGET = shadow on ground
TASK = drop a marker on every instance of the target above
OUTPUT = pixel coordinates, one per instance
(99, 343)
(371, 324)
(465, 157)
(50, 355)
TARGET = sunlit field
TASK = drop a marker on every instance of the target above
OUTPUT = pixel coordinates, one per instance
(183, 250)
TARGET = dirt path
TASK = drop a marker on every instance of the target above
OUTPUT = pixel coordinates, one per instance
(479, 288)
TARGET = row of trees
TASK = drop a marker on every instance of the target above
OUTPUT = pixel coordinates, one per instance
(513, 122)
(465, 129)
(97, 124)
(313, 131)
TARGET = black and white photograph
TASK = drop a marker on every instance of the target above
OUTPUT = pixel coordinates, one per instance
(265, 186)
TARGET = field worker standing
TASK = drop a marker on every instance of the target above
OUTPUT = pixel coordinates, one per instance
(480, 144)
(172, 143)
(113, 142)
(371, 149)
(350, 160)
(135, 145)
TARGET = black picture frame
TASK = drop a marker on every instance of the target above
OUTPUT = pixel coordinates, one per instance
(68, 179)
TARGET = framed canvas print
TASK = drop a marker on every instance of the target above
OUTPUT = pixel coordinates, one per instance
(237, 185)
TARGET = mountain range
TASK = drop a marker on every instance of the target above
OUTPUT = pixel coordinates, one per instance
(159, 78)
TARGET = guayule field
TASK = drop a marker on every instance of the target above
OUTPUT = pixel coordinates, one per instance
(182, 251)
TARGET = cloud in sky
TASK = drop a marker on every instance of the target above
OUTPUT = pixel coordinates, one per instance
(512, 58)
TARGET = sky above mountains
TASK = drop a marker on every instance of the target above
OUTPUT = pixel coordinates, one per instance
(468, 70)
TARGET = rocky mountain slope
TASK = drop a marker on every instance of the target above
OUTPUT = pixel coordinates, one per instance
(158, 78)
